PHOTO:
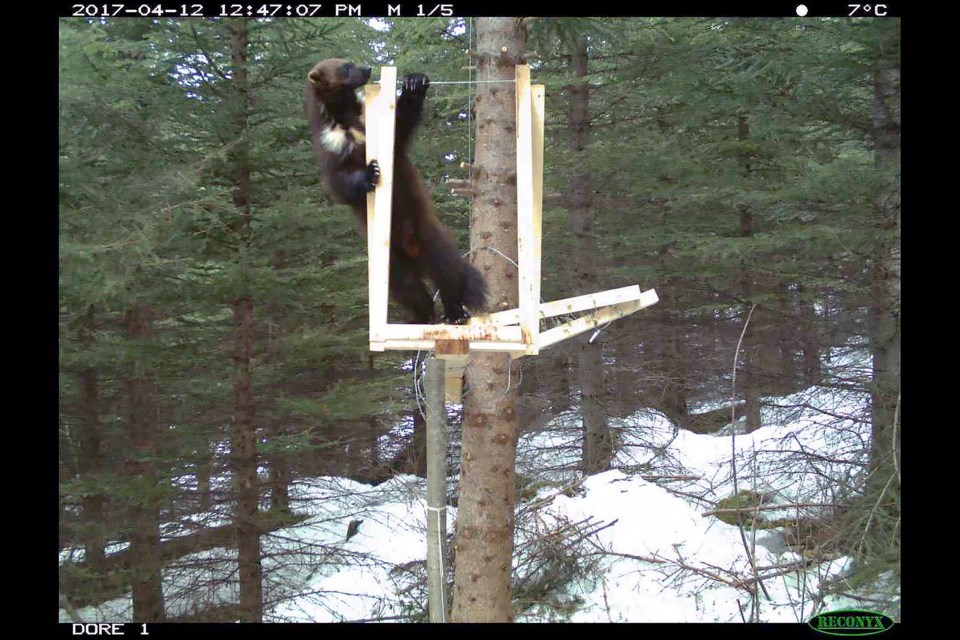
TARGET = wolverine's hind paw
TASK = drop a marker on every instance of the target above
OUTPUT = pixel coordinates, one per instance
(452, 316)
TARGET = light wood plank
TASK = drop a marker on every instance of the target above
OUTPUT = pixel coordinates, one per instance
(527, 259)
(538, 92)
(380, 120)
(516, 348)
(431, 332)
(566, 305)
(596, 319)
(453, 376)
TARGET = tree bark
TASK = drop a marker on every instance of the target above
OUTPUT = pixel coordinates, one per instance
(885, 286)
(743, 159)
(204, 490)
(810, 340)
(146, 562)
(597, 443)
(674, 396)
(244, 446)
(278, 461)
(625, 398)
(749, 380)
(485, 518)
(90, 456)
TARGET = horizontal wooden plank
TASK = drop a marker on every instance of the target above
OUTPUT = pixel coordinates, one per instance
(516, 348)
(472, 332)
(497, 338)
(566, 305)
(597, 318)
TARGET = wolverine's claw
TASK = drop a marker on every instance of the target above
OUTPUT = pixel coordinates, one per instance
(416, 83)
(373, 175)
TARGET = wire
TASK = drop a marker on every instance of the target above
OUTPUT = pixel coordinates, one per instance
(470, 99)
(433, 82)
(471, 82)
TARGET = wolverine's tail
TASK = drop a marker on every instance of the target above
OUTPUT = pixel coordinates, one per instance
(473, 288)
(462, 290)
(462, 287)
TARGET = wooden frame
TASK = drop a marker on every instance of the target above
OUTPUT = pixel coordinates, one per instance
(516, 331)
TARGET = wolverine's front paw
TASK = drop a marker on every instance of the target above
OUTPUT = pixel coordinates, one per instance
(416, 83)
(373, 176)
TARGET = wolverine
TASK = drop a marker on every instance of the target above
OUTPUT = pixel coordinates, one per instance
(420, 245)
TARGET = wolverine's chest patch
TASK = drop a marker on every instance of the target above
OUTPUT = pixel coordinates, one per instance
(340, 140)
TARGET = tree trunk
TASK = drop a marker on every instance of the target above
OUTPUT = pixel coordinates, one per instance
(204, 490)
(545, 387)
(786, 330)
(244, 446)
(412, 458)
(279, 486)
(626, 381)
(885, 286)
(485, 517)
(89, 457)
(146, 562)
(674, 396)
(748, 380)
(278, 461)
(597, 443)
(743, 159)
(810, 340)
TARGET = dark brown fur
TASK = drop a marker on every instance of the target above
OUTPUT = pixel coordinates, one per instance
(421, 246)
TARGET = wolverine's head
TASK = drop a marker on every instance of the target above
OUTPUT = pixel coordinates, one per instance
(334, 104)
(332, 89)
(336, 75)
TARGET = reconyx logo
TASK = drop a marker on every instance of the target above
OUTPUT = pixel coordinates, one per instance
(851, 622)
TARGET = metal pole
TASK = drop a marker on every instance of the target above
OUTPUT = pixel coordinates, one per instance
(436, 488)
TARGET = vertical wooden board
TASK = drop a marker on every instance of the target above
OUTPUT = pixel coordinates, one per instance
(538, 92)
(453, 390)
(380, 122)
(453, 376)
(529, 277)
(370, 94)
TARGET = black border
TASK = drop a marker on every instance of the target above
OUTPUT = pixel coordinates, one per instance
(473, 8)
(47, 336)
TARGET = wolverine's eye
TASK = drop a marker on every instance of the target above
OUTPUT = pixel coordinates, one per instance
(346, 70)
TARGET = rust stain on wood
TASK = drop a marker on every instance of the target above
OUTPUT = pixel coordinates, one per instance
(451, 347)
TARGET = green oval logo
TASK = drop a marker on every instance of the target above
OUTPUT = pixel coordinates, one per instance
(850, 622)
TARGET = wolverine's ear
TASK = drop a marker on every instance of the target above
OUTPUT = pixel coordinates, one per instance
(316, 77)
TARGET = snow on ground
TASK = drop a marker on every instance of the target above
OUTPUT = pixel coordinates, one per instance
(361, 583)
(664, 533)
(314, 574)
(659, 525)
